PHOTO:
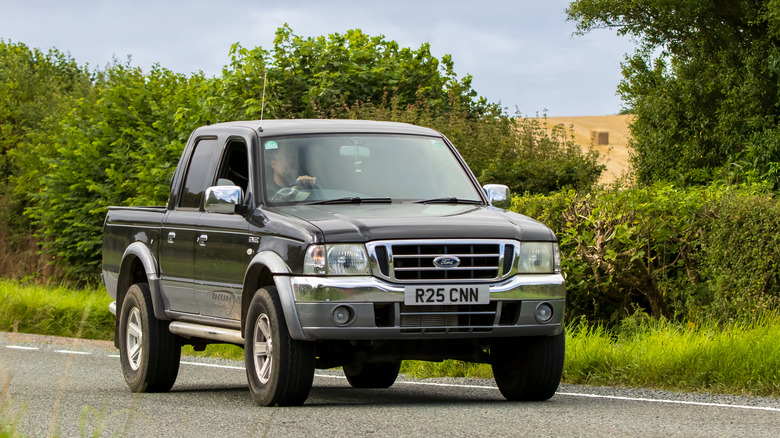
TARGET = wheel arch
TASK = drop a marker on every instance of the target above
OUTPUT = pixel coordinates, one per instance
(140, 266)
(269, 269)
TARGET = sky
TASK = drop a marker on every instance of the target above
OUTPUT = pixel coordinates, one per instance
(520, 53)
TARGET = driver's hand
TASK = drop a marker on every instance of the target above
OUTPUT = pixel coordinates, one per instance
(306, 181)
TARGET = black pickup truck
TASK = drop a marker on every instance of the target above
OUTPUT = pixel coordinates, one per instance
(333, 243)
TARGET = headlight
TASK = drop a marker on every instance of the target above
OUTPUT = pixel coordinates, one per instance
(336, 259)
(537, 257)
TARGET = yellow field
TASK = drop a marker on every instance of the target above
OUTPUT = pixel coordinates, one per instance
(615, 153)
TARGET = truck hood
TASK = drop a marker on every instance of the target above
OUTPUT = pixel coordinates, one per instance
(368, 222)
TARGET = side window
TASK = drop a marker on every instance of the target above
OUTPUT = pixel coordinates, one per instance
(234, 167)
(198, 176)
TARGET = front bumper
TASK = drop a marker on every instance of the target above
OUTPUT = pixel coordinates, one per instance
(377, 309)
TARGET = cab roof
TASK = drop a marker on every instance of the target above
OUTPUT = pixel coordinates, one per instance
(335, 126)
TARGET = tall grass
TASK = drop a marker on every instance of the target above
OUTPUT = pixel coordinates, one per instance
(58, 311)
(739, 358)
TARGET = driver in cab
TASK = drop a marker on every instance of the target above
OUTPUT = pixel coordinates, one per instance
(286, 171)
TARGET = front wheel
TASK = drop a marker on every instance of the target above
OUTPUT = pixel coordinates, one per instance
(279, 369)
(149, 352)
(372, 375)
(528, 369)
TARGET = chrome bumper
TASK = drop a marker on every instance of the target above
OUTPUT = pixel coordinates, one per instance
(378, 310)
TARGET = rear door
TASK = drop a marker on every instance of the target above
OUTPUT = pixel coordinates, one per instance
(180, 229)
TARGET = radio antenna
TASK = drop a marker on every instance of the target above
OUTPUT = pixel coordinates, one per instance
(262, 103)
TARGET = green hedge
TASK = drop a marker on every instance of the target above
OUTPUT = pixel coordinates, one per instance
(701, 252)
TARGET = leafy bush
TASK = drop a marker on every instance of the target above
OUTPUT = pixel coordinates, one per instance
(36, 89)
(740, 257)
(663, 250)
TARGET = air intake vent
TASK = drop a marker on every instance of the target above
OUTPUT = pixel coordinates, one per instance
(509, 258)
(447, 319)
(381, 260)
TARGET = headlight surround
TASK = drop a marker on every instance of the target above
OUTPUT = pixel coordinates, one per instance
(337, 259)
(537, 257)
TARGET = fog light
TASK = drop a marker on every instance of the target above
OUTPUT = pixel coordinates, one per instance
(544, 312)
(342, 315)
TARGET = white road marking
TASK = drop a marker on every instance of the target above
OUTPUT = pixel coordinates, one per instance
(71, 352)
(212, 365)
(676, 402)
(21, 347)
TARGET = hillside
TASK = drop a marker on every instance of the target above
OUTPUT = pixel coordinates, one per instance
(615, 153)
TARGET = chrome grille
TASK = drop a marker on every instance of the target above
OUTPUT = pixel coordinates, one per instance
(413, 261)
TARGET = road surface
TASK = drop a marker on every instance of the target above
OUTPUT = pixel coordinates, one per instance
(65, 387)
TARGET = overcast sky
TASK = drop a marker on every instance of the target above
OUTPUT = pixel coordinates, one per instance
(521, 53)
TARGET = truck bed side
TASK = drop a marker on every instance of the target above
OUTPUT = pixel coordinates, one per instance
(126, 226)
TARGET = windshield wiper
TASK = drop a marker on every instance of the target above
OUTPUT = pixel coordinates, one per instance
(354, 200)
(449, 200)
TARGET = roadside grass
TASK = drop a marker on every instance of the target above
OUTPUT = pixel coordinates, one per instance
(55, 310)
(738, 357)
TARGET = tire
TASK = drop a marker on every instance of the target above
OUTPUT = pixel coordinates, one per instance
(528, 369)
(279, 369)
(372, 375)
(149, 352)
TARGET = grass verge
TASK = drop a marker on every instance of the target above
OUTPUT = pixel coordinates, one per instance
(56, 311)
(738, 358)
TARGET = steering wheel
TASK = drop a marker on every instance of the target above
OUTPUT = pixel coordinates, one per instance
(299, 185)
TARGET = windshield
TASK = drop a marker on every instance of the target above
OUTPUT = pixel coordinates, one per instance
(364, 168)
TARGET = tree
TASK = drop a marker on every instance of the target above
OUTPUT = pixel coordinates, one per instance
(703, 84)
(323, 76)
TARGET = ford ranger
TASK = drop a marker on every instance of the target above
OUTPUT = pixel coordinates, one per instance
(333, 243)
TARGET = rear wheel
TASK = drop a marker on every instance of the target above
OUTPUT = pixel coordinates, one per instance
(279, 369)
(372, 375)
(530, 368)
(149, 352)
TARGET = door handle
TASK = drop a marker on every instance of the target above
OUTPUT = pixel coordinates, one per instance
(202, 239)
(171, 237)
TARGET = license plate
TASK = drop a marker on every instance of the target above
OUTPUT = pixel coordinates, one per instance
(446, 295)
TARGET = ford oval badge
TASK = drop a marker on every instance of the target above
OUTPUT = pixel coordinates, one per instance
(446, 262)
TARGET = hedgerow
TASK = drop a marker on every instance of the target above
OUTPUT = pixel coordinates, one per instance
(699, 252)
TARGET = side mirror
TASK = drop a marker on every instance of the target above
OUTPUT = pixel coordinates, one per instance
(223, 199)
(498, 195)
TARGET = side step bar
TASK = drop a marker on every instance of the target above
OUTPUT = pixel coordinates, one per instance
(189, 330)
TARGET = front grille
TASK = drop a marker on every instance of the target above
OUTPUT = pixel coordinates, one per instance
(416, 262)
(412, 261)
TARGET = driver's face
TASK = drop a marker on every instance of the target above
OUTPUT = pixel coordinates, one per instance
(284, 163)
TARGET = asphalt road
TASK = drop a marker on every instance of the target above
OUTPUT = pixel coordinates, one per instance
(64, 387)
